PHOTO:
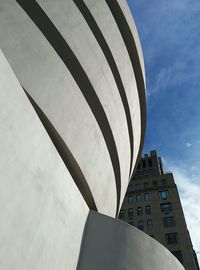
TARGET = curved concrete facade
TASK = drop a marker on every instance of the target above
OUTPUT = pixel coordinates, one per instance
(72, 115)
(83, 87)
(113, 244)
(40, 203)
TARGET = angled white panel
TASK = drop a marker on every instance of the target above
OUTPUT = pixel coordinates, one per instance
(42, 212)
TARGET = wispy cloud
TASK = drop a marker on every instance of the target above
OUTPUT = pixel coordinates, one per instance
(188, 144)
(169, 76)
(169, 32)
(189, 190)
(170, 35)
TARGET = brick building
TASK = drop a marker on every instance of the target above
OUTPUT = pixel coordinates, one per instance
(152, 204)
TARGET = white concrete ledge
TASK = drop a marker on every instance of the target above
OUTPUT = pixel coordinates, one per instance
(112, 244)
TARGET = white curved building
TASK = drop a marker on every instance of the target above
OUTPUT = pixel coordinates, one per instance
(72, 114)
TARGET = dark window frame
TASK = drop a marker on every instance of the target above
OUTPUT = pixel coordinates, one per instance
(146, 196)
(148, 209)
(169, 222)
(138, 196)
(139, 211)
(178, 254)
(166, 209)
(130, 213)
(149, 224)
(161, 194)
(130, 198)
(171, 238)
(140, 225)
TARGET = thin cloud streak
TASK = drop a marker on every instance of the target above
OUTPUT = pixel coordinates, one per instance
(189, 191)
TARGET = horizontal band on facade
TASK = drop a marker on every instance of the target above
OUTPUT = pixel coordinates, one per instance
(113, 66)
(61, 47)
(135, 61)
(66, 156)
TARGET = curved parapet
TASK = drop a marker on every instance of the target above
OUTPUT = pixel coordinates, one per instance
(130, 21)
(74, 61)
(113, 244)
(126, 25)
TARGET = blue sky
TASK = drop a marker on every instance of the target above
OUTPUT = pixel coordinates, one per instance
(169, 32)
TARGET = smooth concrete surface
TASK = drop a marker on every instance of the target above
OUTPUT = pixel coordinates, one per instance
(129, 18)
(108, 27)
(66, 17)
(124, 19)
(113, 244)
(50, 84)
(42, 212)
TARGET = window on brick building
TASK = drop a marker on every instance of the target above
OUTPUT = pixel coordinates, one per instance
(178, 255)
(139, 211)
(148, 209)
(171, 238)
(141, 225)
(138, 197)
(146, 197)
(149, 224)
(169, 222)
(130, 199)
(130, 213)
(164, 194)
(166, 207)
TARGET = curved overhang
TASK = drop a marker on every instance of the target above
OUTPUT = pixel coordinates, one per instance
(130, 20)
(113, 244)
(128, 30)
